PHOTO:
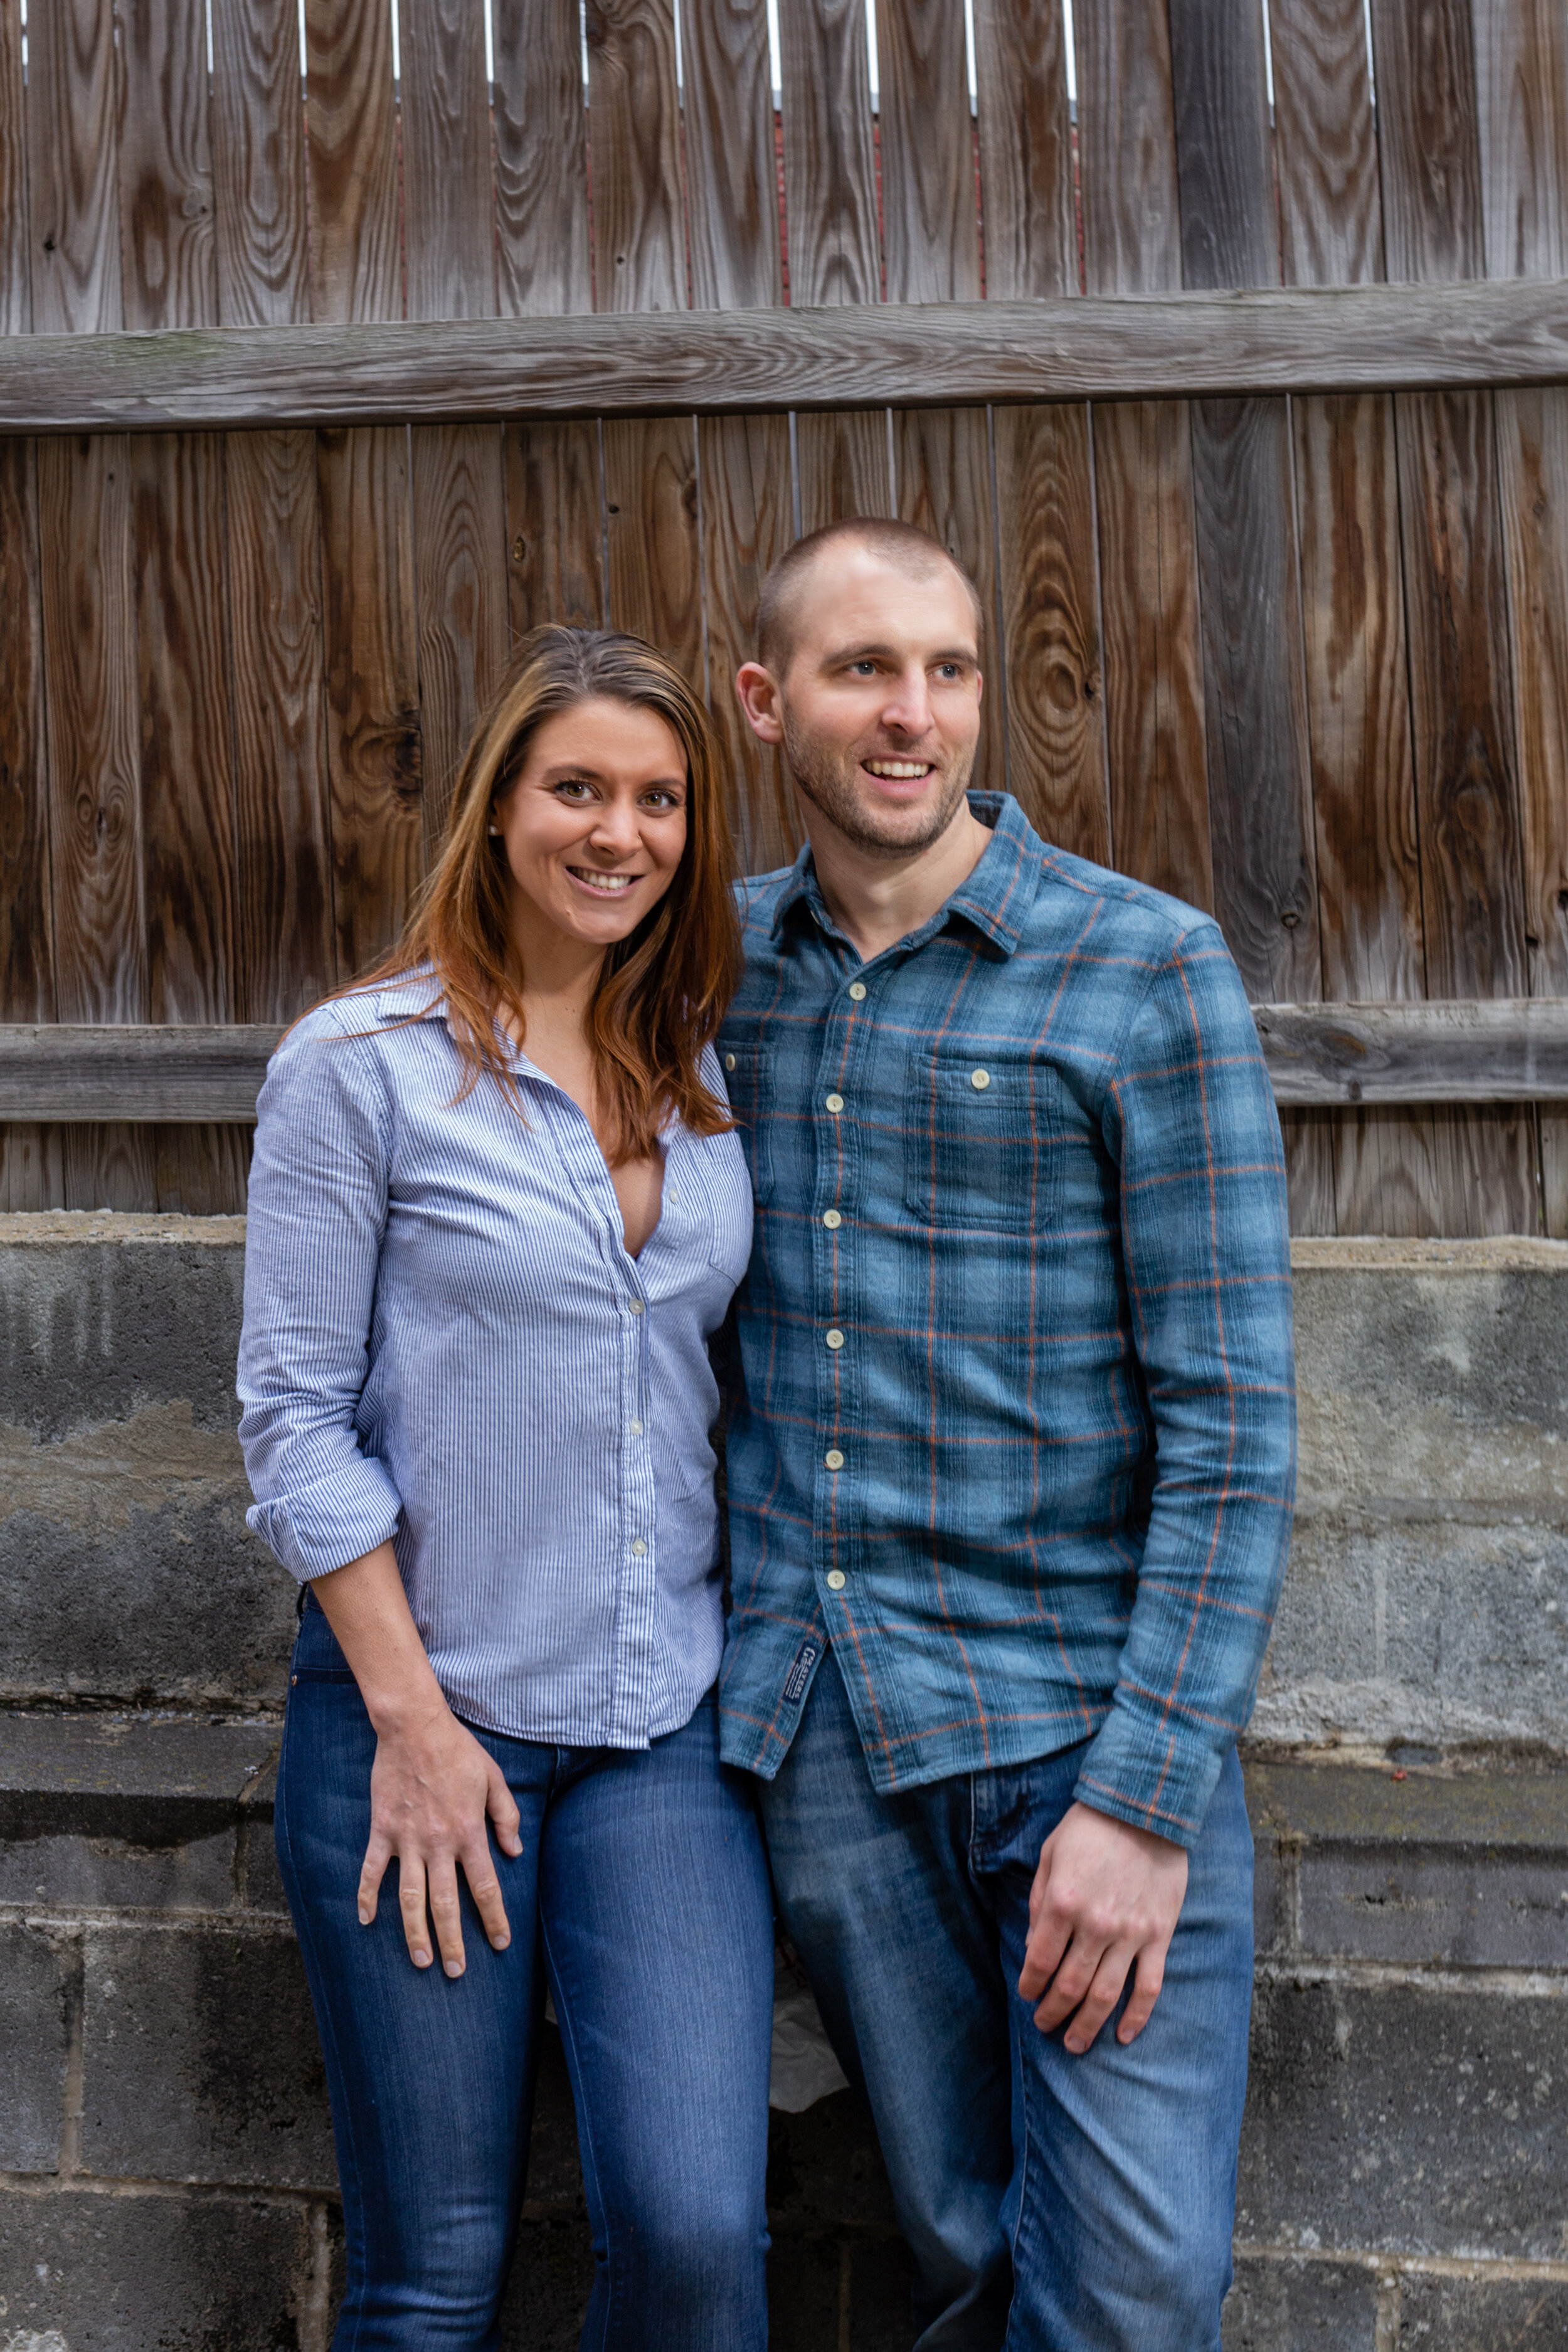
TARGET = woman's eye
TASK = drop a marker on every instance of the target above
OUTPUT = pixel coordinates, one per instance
(575, 786)
(662, 800)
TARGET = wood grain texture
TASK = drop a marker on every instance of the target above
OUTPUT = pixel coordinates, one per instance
(168, 259)
(830, 175)
(1428, 152)
(1026, 149)
(15, 257)
(73, 108)
(1224, 167)
(351, 153)
(26, 943)
(732, 187)
(459, 514)
(373, 688)
(556, 526)
(1156, 743)
(543, 260)
(1127, 148)
(140, 1073)
(746, 526)
(1055, 704)
(448, 201)
(1522, 113)
(655, 577)
(640, 246)
(259, 163)
(1331, 209)
(930, 227)
(285, 950)
(842, 466)
(943, 482)
(1422, 1052)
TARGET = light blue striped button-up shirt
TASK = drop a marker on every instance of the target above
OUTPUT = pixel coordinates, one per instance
(446, 1342)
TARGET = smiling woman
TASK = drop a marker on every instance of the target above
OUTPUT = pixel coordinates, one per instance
(497, 1210)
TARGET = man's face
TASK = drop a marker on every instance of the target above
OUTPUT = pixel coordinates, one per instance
(880, 707)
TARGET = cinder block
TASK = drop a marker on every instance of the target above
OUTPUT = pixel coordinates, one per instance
(1285, 2306)
(152, 2274)
(1393, 1904)
(1482, 2314)
(35, 1975)
(119, 1874)
(200, 2060)
(1406, 2119)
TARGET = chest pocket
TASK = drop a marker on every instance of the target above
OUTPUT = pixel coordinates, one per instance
(984, 1152)
(746, 1078)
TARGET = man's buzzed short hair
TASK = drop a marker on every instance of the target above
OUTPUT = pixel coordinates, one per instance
(899, 544)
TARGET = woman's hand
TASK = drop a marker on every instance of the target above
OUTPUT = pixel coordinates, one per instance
(432, 1789)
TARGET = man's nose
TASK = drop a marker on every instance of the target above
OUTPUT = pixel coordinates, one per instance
(908, 707)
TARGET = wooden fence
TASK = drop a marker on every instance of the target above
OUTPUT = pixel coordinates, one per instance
(317, 386)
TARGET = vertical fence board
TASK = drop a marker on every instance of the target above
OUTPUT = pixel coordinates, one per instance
(73, 104)
(448, 202)
(168, 261)
(1156, 752)
(1358, 712)
(555, 522)
(842, 465)
(746, 526)
(639, 245)
(375, 750)
(829, 163)
(1026, 149)
(655, 557)
(732, 186)
(1521, 74)
(1455, 595)
(1056, 731)
(31, 1176)
(259, 164)
(16, 270)
(543, 260)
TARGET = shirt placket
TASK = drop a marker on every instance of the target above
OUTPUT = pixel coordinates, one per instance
(838, 1271)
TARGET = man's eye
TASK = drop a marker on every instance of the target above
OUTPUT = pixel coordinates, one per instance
(947, 669)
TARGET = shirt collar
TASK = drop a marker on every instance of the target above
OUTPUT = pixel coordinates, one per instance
(415, 995)
(996, 897)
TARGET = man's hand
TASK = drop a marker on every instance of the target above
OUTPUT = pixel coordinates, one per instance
(1105, 1896)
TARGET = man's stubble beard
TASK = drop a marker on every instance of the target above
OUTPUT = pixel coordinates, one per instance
(821, 778)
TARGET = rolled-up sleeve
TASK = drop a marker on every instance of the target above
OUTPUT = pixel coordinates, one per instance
(316, 1217)
(1205, 1244)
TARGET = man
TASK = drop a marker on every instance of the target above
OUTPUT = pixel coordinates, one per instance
(1010, 1479)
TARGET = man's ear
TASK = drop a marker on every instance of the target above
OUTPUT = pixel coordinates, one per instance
(758, 694)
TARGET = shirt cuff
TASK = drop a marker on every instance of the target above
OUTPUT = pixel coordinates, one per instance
(1156, 1776)
(330, 1522)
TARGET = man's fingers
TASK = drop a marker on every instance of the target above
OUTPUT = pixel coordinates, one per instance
(501, 1807)
(1049, 1936)
(447, 1913)
(377, 1854)
(485, 1888)
(1145, 1993)
(1067, 1986)
(1101, 1998)
(411, 1903)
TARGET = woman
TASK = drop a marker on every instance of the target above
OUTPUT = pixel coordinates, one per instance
(497, 1211)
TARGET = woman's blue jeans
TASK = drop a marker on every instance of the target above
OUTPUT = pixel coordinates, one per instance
(641, 1899)
(1052, 2203)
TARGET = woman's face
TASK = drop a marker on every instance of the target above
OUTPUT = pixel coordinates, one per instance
(595, 825)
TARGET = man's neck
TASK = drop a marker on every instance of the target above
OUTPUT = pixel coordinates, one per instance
(878, 899)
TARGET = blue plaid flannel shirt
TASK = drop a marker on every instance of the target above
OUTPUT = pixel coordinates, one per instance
(1013, 1423)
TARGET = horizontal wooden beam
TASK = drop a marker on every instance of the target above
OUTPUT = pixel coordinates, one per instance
(1343, 339)
(1512, 1050)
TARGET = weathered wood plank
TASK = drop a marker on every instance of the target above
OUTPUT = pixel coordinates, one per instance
(459, 515)
(1428, 156)
(639, 243)
(1331, 340)
(168, 261)
(259, 163)
(746, 526)
(842, 466)
(732, 186)
(352, 151)
(1056, 764)
(73, 108)
(930, 229)
(543, 260)
(942, 478)
(286, 954)
(1127, 152)
(829, 164)
(15, 257)
(556, 526)
(448, 202)
(1331, 211)
(31, 1176)
(655, 553)
(1318, 1056)
(1026, 149)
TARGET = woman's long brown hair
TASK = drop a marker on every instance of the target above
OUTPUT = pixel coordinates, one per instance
(663, 989)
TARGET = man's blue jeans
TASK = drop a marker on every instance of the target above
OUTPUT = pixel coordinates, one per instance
(641, 1898)
(1052, 2203)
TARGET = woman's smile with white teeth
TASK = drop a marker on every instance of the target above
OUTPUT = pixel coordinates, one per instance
(610, 884)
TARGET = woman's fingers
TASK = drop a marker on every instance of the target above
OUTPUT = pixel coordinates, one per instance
(411, 1903)
(377, 1854)
(501, 1807)
(485, 1888)
(447, 1913)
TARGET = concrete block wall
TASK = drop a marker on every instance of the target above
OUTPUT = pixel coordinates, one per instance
(165, 2161)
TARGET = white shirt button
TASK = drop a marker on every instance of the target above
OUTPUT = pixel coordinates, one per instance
(638, 1549)
(980, 1081)
(832, 1220)
(636, 1428)
(834, 1102)
(634, 1306)
(728, 1061)
(858, 991)
(835, 1339)
(833, 1459)
(836, 1580)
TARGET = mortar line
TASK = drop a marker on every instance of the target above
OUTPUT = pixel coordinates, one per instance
(1524, 2269)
